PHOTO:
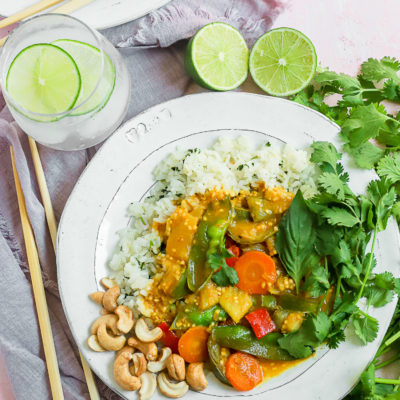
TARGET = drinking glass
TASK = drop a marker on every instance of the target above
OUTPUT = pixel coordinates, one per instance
(72, 129)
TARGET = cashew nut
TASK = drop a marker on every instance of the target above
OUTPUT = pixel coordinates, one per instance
(170, 389)
(110, 320)
(146, 335)
(94, 344)
(161, 363)
(125, 318)
(108, 283)
(149, 350)
(108, 341)
(97, 297)
(195, 376)
(110, 298)
(149, 385)
(121, 371)
(103, 311)
(176, 367)
(139, 364)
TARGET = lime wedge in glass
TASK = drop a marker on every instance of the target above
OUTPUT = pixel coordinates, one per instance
(89, 61)
(217, 57)
(283, 61)
(43, 79)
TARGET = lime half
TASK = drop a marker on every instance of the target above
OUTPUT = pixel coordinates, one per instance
(283, 61)
(89, 61)
(217, 57)
(44, 79)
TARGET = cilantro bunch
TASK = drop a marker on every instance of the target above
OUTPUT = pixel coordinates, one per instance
(360, 112)
(323, 242)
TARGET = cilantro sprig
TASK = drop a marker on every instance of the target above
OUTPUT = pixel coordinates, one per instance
(225, 275)
(322, 244)
(368, 131)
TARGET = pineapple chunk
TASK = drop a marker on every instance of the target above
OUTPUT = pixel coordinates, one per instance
(235, 302)
(209, 296)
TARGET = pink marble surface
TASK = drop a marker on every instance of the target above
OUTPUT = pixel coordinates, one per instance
(344, 32)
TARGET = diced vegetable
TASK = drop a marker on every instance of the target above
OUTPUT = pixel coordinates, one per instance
(235, 302)
(208, 296)
(269, 302)
(182, 227)
(260, 209)
(173, 272)
(261, 322)
(192, 345)
(217, 359)
(298, 303)
(256, 271)
(242, 338)
(208, 238)
(190, 315)
(249, 232)
(279, 317)
(292, 322)
(243, 371)
(234, 250)
(169, 339)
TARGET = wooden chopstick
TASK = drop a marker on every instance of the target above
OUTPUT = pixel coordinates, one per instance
(52, 224)
(67, 8)
(38, 291)
(29, 11)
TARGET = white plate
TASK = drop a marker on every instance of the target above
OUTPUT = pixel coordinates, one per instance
(121, 172)
(100, 14)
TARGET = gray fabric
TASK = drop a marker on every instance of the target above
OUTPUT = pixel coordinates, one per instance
(157, 75)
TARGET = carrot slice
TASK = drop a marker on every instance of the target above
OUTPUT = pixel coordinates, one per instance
(243, 371)
(256, 270)
(192, 345)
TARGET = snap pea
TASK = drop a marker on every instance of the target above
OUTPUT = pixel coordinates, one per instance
(208, 238)
(242, 338)
(190, 315)
(266, 301)
(181, 289)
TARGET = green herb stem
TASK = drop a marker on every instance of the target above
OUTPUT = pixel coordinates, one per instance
(388, 361)
(388, 381)
(368, 268)
(392, 339)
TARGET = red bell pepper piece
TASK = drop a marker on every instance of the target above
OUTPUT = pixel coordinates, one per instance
(261, 322)
(231, 261)
(169, 339)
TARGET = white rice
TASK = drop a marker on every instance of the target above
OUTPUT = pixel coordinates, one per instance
(230, 163)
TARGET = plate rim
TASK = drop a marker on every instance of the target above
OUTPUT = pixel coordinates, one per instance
(123, 129)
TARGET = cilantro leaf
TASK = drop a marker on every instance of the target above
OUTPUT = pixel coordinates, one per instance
(396, 210)
(366, 155)
(389, 167)
(325, 152)
(366, 328)
(375, 70)
(364, 123)
(317, 282)
(312, 333)
(295, 238)
(340, 216)
(332, 184)
(378, 297)
(226, 276)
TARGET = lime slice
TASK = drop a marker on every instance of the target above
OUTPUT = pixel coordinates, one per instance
(217, 57)
(283, 61)
(89, 61)
(43, 79)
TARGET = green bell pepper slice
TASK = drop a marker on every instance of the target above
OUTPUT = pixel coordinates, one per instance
(242, 338)
(190, 315)
(207, 240)
(214, 352)
(298, 303)
(181, 289)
